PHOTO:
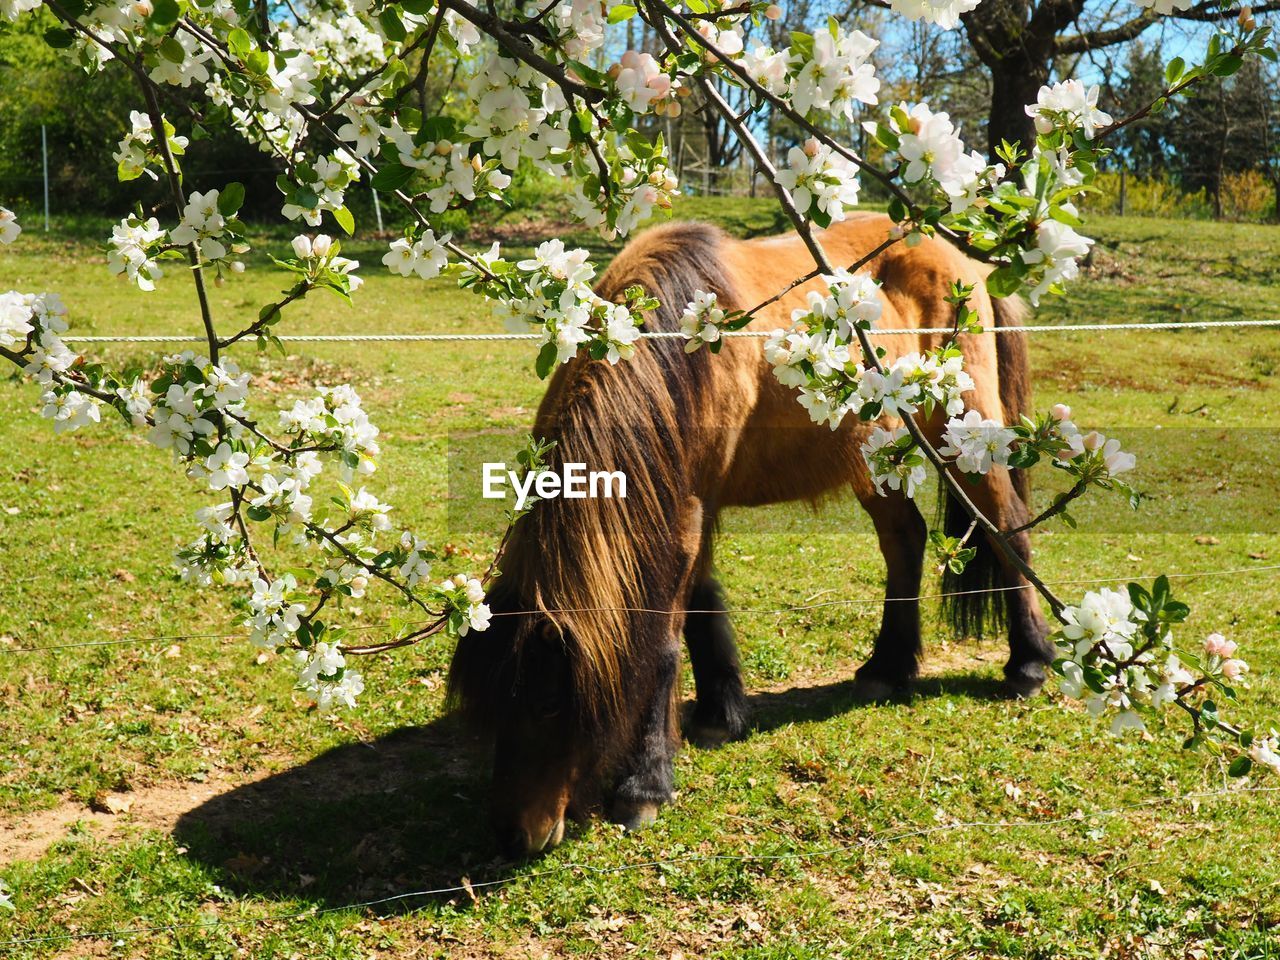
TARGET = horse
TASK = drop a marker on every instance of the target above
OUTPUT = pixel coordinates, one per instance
(577, 677)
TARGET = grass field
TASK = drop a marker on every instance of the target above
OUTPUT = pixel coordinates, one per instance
(182, 784)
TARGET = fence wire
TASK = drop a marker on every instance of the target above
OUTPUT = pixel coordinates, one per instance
(668, 334)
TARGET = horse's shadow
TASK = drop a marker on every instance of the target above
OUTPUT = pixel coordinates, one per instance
(408, 811)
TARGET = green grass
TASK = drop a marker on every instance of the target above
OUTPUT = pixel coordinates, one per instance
(390, 799)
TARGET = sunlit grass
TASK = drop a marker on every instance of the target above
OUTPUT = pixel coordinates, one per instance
(88, 523)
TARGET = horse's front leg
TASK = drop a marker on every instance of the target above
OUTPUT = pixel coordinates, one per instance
(647, 776)
(720, 713)
(903, 534)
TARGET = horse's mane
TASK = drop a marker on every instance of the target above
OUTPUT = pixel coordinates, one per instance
(588, 565)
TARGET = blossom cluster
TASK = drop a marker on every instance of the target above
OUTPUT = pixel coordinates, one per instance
(1118, 656)
(550, 293)
(931, 153)
(821, 182)
(199, 410)
(828, 72)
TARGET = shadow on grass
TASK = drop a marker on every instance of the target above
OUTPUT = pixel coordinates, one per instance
(360, 821)
(770, 711)
(409, 811)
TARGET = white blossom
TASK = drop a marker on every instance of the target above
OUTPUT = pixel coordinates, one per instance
(819, 178)
(701, 320)
(888, 457)
(9, 227)
(945, 13)
(1069, 104)
(131, 251)
(977, 443)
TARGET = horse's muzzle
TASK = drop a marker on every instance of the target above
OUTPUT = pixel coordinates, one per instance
(518, 843)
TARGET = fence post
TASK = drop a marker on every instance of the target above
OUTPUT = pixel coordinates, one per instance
(44, 151)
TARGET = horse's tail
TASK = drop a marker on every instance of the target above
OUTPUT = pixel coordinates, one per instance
(588, 567)
(974, 605)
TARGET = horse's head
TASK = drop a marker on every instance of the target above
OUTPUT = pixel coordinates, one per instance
(517, 681)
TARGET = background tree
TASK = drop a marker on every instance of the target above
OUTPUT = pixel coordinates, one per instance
(1019, 42)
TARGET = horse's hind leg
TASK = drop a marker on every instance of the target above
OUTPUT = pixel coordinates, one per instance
(902, 533)
(1029, 649)
(720, 712)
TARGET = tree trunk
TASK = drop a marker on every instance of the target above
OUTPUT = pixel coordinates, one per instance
(1015, 83)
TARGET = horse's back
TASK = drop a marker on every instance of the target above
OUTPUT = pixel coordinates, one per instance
(782, 455)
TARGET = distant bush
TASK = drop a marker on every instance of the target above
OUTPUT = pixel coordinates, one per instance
(1246, 195)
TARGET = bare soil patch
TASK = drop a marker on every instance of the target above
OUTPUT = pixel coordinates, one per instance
(110, 817)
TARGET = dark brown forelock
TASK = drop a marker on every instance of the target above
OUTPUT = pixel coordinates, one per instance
(590, 564)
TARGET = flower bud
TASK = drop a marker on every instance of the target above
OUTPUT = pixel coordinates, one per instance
(772, 12)
(614, 71)
(1216, 645)
(674, 109)
(811, 147)
(237, 266)
(1093, 440)
(1246, 19)
(302, 247)
(1234, 669)
(321, 246)
(476, 163)
(443, 148)
(1060, 412)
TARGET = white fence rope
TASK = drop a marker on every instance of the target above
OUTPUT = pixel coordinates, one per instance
(667, 334)
(877, 838)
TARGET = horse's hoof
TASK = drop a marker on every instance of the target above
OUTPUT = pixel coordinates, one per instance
(1021, 688)
(874, 690)
(707, 736)
(634, 814)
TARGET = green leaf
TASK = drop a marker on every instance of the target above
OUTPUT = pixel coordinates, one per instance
(257, 62)
(802, 45)
(172, 50)
(1004, 281)
(240, 42)
(418, 7)
(345, 220)
(164, 13)
(1240, 767)
(437, 128)
(1174, 70)
(1226, 65)
(546, 360)
(391, 177)
(230, 198)
(58, 38)
(392, 25)
(621, 13)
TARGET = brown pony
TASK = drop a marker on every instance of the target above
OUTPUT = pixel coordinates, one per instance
(581, 695)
